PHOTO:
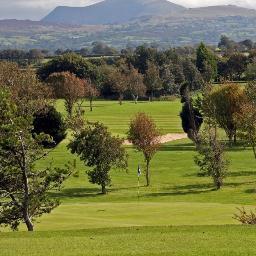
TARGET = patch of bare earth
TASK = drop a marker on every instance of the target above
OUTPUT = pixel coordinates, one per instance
(165, 138)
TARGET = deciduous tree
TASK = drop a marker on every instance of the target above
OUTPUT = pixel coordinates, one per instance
(222, 103)
(70, 62)
(144, 135)
(119, 81)
(25, 88)
(69, 87)
(91, 92)
(246, 117)
(136, 85)
(99, 150)
(152, 80)
(211, 158)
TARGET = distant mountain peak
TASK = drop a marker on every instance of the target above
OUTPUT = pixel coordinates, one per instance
(112, 11)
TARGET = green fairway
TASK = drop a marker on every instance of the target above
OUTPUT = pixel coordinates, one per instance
(117, 118)
(177, 197)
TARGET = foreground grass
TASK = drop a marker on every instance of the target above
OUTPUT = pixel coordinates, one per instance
(178, 241)
(109, 215)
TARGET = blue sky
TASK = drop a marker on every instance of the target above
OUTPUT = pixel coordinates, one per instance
(36, 9)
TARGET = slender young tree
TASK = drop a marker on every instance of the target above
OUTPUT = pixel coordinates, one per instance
(119, 81)
(136, 85)
(152, 79)
(211, 156)
(23, 187)
(145, 137)
(92, 93)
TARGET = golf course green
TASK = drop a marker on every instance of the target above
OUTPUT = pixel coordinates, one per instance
(179, 214)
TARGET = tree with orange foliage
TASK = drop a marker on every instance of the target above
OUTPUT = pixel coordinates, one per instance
(68, 87)
(136, 84)
(91, 92)
(246, 118)
(29, 94)
(144, 135)
(222, 104)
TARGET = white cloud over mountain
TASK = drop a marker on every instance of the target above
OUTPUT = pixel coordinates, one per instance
(36, 9)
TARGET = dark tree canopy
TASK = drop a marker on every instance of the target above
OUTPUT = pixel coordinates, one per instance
(206, 63)
(72, 63)
(50, 122)
(186, 119)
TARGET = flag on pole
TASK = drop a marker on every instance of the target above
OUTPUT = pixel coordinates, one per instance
(139, 171)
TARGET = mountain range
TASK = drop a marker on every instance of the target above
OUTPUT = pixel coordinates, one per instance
(122, 11)
(133, 22)
(112, 12)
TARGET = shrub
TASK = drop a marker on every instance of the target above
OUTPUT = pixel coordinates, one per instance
(245, 217)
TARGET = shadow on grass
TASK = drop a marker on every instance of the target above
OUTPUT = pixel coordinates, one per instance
(250, 191)
(178, 147)
(242, 173)
(123, 188)
(77, 193)
(185, 190)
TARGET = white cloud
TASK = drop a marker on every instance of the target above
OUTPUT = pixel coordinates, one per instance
(36, 9)
(196, 3)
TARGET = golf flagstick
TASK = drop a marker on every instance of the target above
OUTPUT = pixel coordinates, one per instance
(139, 173)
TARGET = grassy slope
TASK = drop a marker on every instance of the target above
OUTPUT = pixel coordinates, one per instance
(177, 197)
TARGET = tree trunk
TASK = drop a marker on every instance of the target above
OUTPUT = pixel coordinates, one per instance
(194, 131)
(120, 99)
(230, 138)
(152, 95)
(91, 104)
(136, 99)
(103, 189)
(218, 185)
(148, 173)
(28, 221)
(25, 203)
(235, 137)
(254, 150)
